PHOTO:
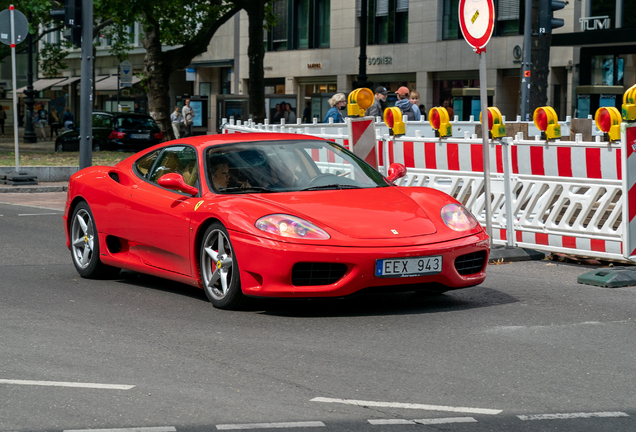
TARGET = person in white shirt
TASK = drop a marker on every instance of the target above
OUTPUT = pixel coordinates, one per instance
(188, 118)
(177, 120)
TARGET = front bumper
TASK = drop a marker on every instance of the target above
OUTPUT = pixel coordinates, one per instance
(266, 265)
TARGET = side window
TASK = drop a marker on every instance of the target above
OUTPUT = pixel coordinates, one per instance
(178, 159)
(144, 164)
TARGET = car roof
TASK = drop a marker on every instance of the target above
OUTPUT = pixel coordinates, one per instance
(219, 139)
(122, 114)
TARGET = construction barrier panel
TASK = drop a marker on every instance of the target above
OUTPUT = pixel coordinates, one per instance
(564, 196)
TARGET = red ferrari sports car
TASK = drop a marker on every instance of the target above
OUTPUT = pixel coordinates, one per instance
(269, 215)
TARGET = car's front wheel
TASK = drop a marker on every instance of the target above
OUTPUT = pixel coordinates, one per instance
(85, 245)
(219, 269)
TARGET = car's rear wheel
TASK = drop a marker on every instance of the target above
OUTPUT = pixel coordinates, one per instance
(219, 269)
(85, 245)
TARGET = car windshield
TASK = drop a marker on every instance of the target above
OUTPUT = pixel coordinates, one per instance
(285, 166)
(134, 122)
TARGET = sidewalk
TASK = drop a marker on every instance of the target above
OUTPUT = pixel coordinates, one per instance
(51, 195)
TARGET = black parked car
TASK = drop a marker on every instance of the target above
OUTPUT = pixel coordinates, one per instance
(115, 131)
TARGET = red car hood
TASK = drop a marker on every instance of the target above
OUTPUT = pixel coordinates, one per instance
(378, 213)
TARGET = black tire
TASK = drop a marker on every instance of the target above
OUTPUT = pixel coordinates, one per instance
(85, 245)
(219, 269)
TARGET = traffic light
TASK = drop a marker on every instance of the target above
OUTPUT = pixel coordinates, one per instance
(71, 16)
(547, 21)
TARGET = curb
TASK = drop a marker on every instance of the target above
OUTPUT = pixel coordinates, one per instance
(33, 189)
(44, 173)
(512, 254)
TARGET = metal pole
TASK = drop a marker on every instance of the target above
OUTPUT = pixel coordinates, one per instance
(15, 95)
(29, 101)
(507, 167)
(483, 94)
(362, 64)
(86, 100)
(525, 79)
(118, 74)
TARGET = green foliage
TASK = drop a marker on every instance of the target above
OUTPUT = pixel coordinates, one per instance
(52, 58)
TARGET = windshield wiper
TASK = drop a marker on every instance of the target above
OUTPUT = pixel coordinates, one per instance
(332, 186)
(247, 189)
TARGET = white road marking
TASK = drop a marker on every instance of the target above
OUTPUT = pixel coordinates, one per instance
(39, 214)
(407, 406)
(68, 384)
(139, 429)
(572, 416)
(270, 425)
(424, 421)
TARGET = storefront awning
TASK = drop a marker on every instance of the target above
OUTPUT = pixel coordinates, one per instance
(42, 84)
(110, 83)
(66, 82)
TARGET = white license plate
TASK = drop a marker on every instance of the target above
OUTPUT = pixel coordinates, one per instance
(140, 136)
(408, 267)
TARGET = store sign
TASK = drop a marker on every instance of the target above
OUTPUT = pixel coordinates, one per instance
(314, 65)
(595, 23)
(380, 60)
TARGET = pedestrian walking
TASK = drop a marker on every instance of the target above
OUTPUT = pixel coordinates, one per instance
(188, 118)
(54, 122)
(377, 109)
(423, 111)
(3, 117)
(40, 118)
(450, 110)
(177, 121)
(337, 102)
(68, 120)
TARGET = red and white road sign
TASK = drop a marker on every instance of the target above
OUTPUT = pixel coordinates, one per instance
(362, 133)
(477, 20)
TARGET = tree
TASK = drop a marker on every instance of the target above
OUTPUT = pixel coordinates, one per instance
(182, 23)
(257, 11)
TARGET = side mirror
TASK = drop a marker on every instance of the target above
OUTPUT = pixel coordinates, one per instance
(176, 182)
(396, 171)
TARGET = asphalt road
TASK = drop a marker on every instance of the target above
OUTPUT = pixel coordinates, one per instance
(529, 350)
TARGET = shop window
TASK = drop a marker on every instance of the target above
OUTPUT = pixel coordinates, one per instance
(387, 21)
(608, 70)
(605, 8)
(276, 36)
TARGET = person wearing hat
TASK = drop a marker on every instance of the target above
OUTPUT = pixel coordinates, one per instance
(377, 109)
(404, 103)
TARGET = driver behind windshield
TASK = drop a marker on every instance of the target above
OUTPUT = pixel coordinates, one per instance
(220, 172)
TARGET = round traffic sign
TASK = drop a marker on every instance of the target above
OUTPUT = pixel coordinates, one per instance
(21, 28)
(476, 20)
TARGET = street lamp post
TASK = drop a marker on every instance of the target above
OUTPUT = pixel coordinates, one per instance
(362, 80)
(29, 101)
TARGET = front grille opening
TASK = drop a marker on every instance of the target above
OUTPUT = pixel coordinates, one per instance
(470, 263)
(308, 273)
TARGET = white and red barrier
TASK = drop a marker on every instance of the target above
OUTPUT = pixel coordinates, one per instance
(563, 196)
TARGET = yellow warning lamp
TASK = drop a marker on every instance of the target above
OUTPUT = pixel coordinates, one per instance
(439, 119)
(393, 119)
(359, 101)
(629, 104)
(496, 125)
(608, 120)
(545, 119)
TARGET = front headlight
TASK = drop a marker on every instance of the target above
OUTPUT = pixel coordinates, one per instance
(458, 218)
(290, 226)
